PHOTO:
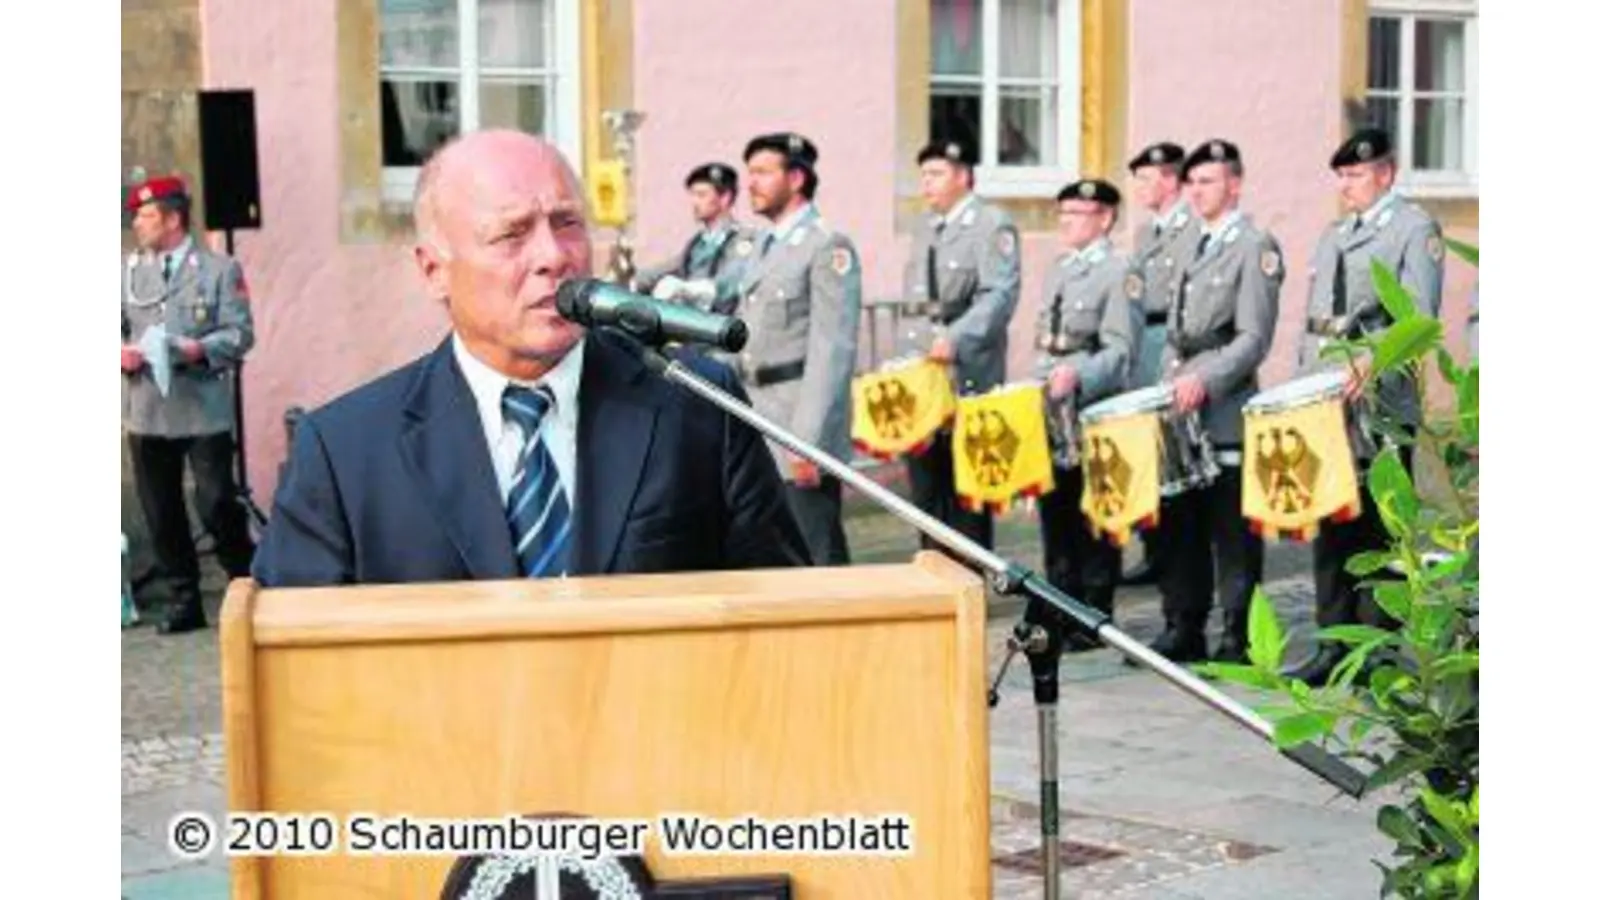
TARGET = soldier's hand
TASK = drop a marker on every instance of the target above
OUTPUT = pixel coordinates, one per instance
(191, 349)
(1189, 393)
(805, 473)
(667, 288)
(1063, 380)
(132, 359)
(942, 351)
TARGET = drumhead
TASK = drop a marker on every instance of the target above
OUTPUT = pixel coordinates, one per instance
(1307, 389)
(1149, 399)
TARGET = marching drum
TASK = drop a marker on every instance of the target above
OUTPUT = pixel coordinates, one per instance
(1312, 389)
(1301, 442)
(1187, 458)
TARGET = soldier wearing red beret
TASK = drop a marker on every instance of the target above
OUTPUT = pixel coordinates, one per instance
(185, 326)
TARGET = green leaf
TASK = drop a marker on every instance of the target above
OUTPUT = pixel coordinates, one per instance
(1293, 730)
(1455, 664)
(1467, 404)
(1393, 821)
(1404, 342)
(1250, 676)
(1400, 767)
(1392, 294)
(1267, 639)
(1467, 872)
(1389, 481)
(1368, 561)
(1472, 805)
(1447, 365)
(1356, 634)
(1394, 598)
(1462, 249)
(1445, 813)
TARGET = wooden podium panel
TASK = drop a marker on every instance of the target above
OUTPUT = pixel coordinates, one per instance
(783, 693)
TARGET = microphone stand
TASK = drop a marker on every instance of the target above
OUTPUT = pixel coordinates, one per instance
(1040, 634)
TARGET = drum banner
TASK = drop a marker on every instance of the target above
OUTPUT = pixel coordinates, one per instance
(1002, 449)
(1122, 475)
(900, 410)
(1298, 470)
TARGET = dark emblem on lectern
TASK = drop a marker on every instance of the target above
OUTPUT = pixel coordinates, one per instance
(534, 876)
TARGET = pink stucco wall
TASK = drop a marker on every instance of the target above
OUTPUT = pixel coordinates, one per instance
(328, 315)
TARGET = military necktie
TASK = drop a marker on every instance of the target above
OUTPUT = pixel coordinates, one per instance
(933, 262)
(1340, 301)
(541, 522)
(166, 268)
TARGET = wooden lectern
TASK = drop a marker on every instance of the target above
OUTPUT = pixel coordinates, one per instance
(782, 694)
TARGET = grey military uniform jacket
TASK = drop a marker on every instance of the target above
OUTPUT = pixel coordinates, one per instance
(1222, 321)
(801, 300)
(206, 300)
(977, 257)
(1086, 322)
(1153, 269)
(730, 251)
(1407, 241)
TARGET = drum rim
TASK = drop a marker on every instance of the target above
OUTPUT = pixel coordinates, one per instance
(1108, 408)
(1266, 402)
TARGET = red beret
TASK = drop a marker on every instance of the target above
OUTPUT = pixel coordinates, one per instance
(159, 188)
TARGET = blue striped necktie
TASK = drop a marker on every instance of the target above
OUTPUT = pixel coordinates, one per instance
(541, 522)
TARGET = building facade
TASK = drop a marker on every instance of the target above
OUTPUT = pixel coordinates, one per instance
(352, 94)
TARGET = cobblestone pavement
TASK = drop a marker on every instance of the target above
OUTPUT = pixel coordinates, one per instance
(1162, 798)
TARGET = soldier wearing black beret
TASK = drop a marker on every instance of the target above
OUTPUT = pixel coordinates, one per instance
(707, 271)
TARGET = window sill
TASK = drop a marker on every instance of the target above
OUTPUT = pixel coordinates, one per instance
(1449, 190)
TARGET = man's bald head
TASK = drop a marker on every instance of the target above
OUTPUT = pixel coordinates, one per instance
(500, 224)
(450, 170)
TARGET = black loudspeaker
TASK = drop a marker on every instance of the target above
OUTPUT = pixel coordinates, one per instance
(229, 168)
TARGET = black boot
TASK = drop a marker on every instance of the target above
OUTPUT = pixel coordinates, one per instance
(1235, 644)
(1181, 644)
(1316, 670)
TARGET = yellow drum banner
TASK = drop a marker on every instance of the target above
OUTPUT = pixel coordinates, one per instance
(1002, 448)
(1298, 470)
(1122, 475)
(899, 410)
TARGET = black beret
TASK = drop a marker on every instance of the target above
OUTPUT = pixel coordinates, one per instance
(1365, 145)
(1091, 189)
(1164, 153)
(956, 150)
(1211, 151)
(798, 150)
(720, 176)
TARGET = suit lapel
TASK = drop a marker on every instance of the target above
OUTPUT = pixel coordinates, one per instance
(444, 448)
(617, 408)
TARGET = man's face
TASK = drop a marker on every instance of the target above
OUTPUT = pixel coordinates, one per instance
(707, 203)
(1212, 189)
(943, 184)
(154, 225)
(1153, 185)
(771, 185)
(1361, 185)
(512, 226)
(1081, 222)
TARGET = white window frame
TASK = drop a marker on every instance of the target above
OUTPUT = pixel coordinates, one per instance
(1463, 182)
(995, 180)
(563, 73)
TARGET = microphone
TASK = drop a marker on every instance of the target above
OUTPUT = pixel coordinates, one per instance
(594, 303)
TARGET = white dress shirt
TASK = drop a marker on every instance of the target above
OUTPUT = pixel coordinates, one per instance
(558, 430)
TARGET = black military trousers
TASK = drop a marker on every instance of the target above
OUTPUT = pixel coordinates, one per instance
(1075, 561)
(819, 511)
(158, 471)
(933, 490)
(1206, 545)
(1340, 601)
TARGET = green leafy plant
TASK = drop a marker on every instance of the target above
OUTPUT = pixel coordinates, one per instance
(1403, 702)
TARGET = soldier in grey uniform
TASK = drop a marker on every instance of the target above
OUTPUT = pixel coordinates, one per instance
(1157, 245)
(801, 299)
(1085, 342)
(1380, 227)
(1223, 316)
(198, 300)
(706, 273)
(963, 279)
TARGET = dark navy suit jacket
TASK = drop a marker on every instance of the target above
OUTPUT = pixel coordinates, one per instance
(393, 482)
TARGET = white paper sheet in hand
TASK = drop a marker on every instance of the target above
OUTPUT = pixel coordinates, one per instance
(158, 356)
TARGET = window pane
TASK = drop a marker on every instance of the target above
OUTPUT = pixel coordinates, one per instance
(1383, 54)
(1441, 55)
(514, 33)
(1384, 112)
(1027, 127)
(418, 33)
(1028, 34)
(956, 113)
(520, 105)
(957, 37)
(1436, 135)
(418, 116)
